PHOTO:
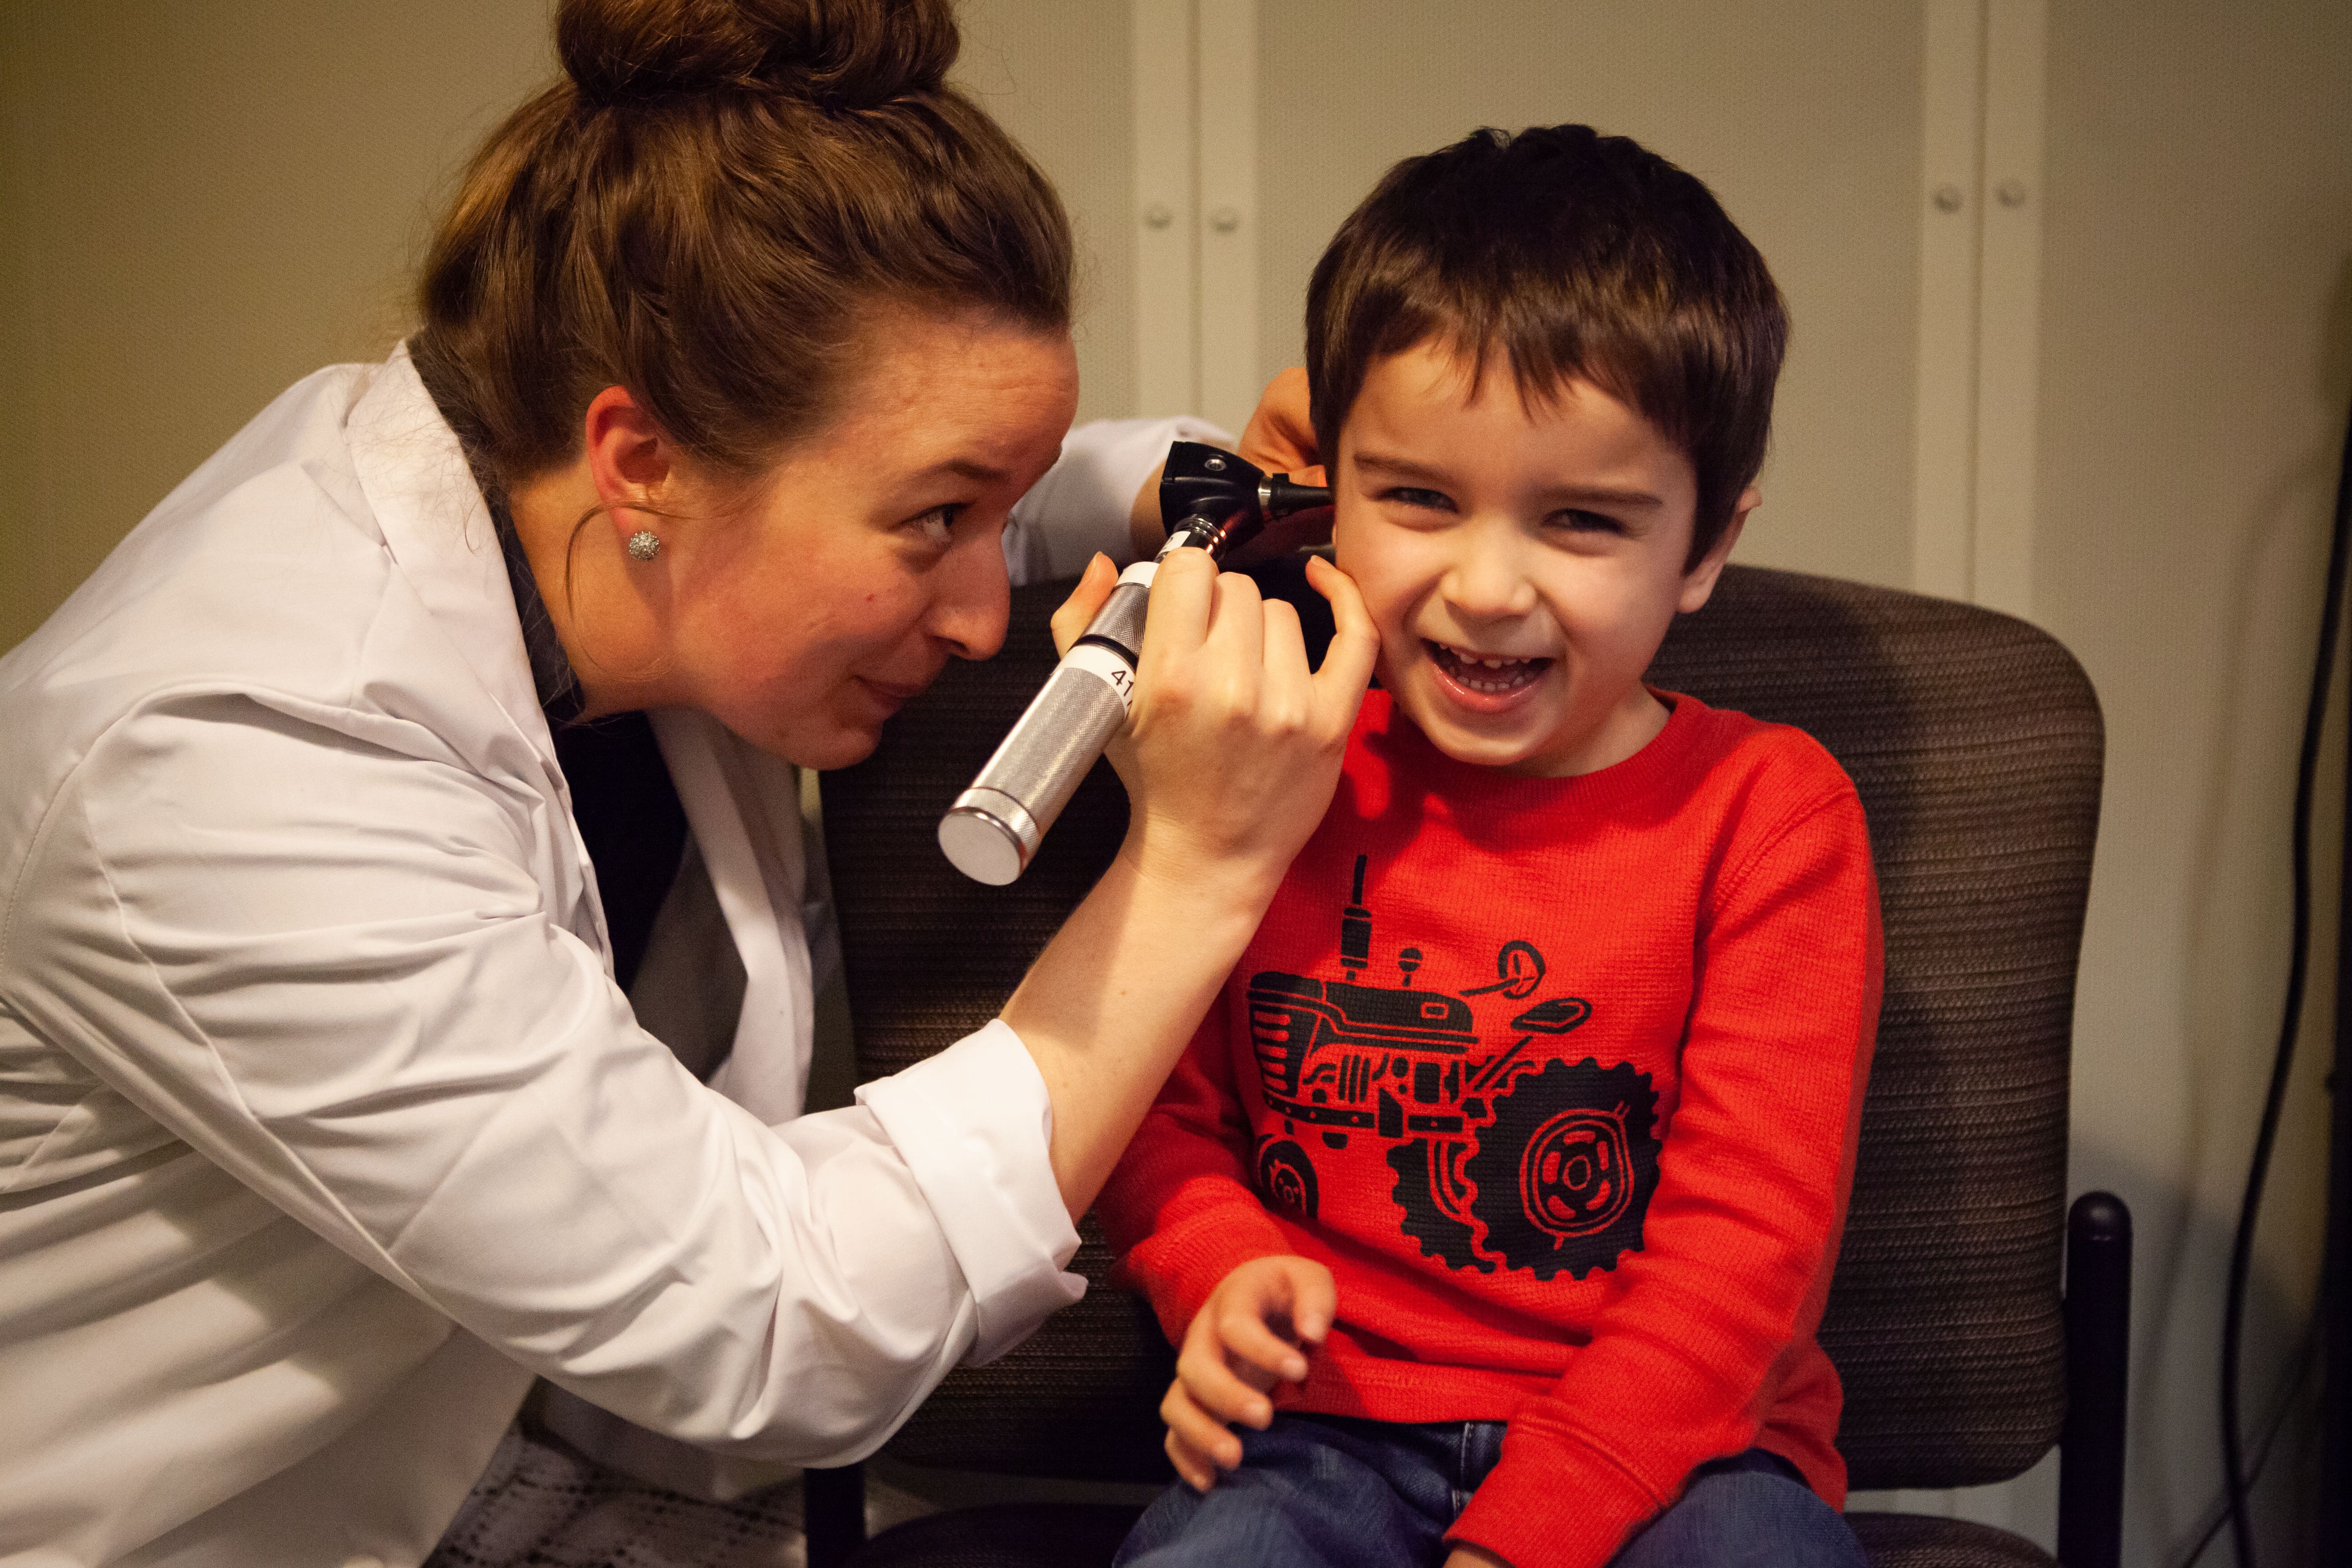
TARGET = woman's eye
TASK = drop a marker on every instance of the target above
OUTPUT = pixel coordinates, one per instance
(936, 526)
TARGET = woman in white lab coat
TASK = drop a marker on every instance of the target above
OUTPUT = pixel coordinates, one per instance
(343, 809)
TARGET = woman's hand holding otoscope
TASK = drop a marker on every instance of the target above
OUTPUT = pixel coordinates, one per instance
(1211, 502)
(1230, 759)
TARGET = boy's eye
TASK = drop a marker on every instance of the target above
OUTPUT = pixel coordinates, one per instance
(1409, 495)
(1578, 521)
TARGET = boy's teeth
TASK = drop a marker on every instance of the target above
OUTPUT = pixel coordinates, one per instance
(1482, 672)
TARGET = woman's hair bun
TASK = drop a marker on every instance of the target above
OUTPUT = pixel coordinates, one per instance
(837, 54)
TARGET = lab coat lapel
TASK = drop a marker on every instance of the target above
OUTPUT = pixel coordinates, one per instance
(744, 808)
(439, 529)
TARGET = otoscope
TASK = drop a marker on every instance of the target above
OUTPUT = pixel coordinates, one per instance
(1209, 499)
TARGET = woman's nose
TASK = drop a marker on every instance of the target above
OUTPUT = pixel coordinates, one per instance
(975, 599)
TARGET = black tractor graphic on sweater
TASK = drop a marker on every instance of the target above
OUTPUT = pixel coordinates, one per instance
(1502, 1152)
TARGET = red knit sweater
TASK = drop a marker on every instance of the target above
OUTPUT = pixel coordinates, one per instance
(1560, 1078)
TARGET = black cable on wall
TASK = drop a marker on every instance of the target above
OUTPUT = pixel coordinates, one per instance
(2235, 1481)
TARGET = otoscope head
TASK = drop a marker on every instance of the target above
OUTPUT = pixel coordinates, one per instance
(1223, 500)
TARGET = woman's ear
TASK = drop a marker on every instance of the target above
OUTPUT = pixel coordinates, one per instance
(629, 459)
(1698, 582)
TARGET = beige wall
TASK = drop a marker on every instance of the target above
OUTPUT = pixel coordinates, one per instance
(1056, 73)
(2197, 366)
(200, 201)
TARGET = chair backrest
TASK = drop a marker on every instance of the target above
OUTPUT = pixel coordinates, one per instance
(1976, 744)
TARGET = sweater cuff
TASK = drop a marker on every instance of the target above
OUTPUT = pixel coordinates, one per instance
(1545, 1505)
(1185, 1265)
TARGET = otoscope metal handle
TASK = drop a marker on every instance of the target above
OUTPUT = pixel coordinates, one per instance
(995, 827)
(1209, 499)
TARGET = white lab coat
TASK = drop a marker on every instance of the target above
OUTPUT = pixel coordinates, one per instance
(323, 1126)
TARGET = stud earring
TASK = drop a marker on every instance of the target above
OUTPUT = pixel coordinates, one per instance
(644, 544)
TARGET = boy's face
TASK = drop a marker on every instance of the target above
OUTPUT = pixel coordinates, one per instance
(1522, 562)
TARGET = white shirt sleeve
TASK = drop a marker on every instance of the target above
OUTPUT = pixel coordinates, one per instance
(1084, 502)
(310, 943)
(987, 1177)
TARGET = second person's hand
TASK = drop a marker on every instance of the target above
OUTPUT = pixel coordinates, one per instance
(1252, 738)
(1234, 746)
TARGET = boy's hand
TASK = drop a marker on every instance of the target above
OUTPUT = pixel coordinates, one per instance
(1474, 1557)
(1247, 1337)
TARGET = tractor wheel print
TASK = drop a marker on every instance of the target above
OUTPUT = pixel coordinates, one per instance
(1563, 1174)
(1420, 1171)
(1285, 1178)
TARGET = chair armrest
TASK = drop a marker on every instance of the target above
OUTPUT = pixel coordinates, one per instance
(2098, 1357)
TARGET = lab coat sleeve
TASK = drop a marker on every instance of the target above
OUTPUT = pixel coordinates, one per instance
(309, 941)
(1083, 503)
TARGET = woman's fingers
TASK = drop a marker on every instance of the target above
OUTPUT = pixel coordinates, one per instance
(1235, 745)
(1287, 691)
(1280, 438)
(1176, 623)
(1355, 646)
(1236, 645)
(1094, 586)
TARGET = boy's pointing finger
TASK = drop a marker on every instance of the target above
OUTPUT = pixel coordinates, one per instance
(1246, 1336)
(1314, 1301)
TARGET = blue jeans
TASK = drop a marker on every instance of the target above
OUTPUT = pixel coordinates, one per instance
(1324, 1490)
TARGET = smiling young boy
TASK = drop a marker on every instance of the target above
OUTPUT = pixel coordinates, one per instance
(1511, 1162)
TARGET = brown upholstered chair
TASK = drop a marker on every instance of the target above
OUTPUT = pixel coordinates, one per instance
(1976, 743)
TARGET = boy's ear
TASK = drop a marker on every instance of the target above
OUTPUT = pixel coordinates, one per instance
(1698, 582)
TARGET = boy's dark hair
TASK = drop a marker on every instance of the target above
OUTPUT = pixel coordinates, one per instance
(1575, 255)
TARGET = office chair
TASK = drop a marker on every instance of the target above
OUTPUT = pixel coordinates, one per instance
(1976, 744)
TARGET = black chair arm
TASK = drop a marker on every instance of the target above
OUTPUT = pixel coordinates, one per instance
(833, 1514)
(2098, 1356)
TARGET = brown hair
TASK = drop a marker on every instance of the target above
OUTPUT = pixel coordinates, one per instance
(706, 208)
(1575, 255)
